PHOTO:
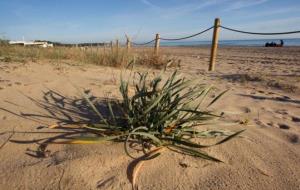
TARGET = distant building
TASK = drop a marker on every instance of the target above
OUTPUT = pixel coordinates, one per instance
(43, 44)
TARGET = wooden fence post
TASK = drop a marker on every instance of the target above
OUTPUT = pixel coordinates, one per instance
(214, 46)
(156, 47)
(128, 43)
(117, 44)
(111, 46)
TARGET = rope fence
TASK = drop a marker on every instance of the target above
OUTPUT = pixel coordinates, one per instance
(259, 33)
(224, 27)
(174, 39)
(216, 28)
(142, 44)
(187, 37)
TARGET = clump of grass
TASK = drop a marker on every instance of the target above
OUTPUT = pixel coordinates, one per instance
(160, 113)
(115, 58)
(37, 53)
(151, 59)
(99, 56)
(155, 61)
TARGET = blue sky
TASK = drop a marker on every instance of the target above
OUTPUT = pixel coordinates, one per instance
(103, 20)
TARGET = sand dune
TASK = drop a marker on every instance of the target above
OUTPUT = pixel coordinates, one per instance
(264, 93)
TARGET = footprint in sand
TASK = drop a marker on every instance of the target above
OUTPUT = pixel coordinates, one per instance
(282, 111)
(105, 184)
(261, 123)
(183, 164)
(283, 126)
(293, 138)
(261, 91)
(295, 119)
(18, 83)
(4, 81)
(246, 109)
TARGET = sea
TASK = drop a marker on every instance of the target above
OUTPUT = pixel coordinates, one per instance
(254, 43)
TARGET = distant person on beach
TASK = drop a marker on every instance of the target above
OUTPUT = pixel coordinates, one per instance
(273, 44)
(281, 43)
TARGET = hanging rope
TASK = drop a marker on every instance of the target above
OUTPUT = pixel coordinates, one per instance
(226, 28)
(142, 44)
(260, 33)
(191, 36)
(174, 39)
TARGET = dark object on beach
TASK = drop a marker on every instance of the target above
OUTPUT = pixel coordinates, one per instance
(273, 44)
(283, 126)
(295, 119)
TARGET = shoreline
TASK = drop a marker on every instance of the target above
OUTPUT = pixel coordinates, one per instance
(223, 45)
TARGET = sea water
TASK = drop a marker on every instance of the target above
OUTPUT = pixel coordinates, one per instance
(260, 42)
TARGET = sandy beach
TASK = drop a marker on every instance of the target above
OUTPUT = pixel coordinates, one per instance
(264, 97)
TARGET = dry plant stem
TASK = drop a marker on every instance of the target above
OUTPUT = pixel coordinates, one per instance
(7, 140)
(141, 161)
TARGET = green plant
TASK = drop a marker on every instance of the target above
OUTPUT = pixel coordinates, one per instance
(160, 113)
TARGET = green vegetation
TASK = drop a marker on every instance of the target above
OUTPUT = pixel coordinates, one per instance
(160, 113)
(90, 56)
(98, 56)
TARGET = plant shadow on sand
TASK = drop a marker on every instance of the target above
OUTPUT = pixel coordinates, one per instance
(69, 115)
(283, 99)
(160, 115)
(270, 81)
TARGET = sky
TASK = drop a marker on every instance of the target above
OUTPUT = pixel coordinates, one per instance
(74, 21)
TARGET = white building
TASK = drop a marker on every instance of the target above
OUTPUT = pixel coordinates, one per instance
(43, 44)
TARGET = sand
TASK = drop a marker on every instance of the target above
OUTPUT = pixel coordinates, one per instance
(264, 92)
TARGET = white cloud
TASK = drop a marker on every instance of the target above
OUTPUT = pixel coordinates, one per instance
(186, 9)
(179, 10)
(149, 4)
(241, 4)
